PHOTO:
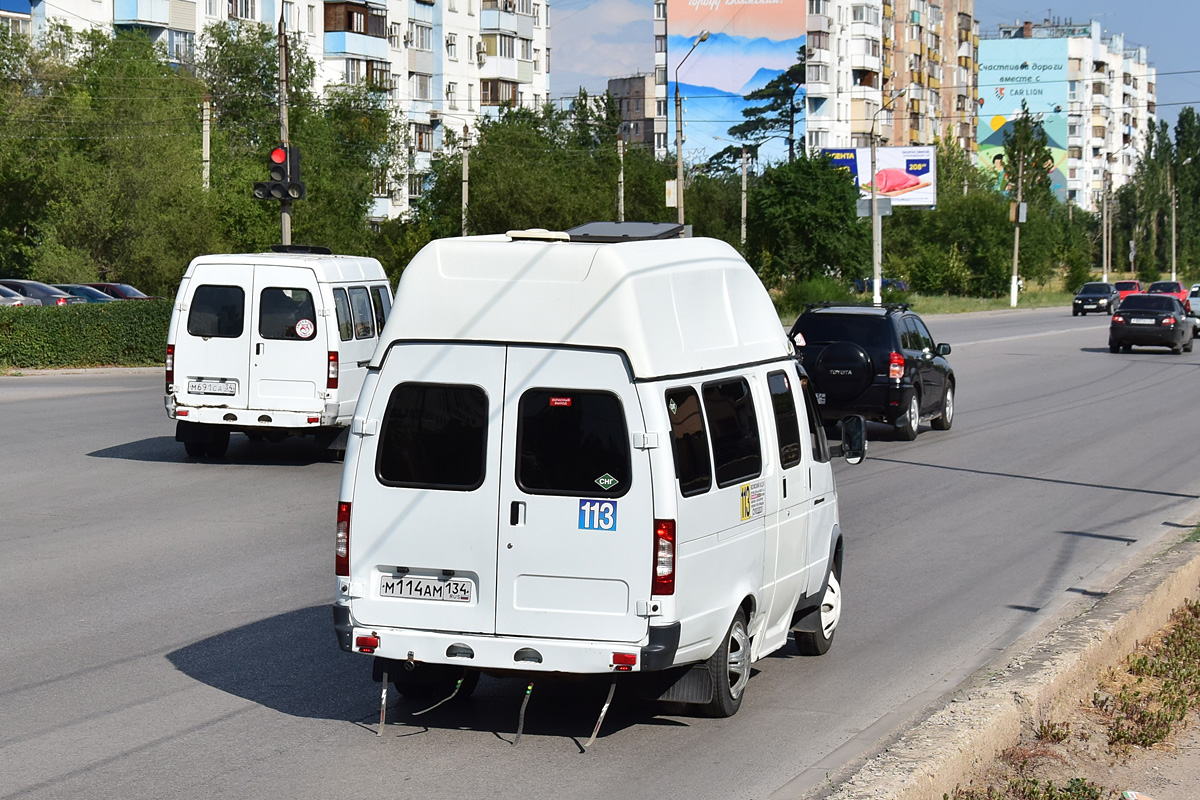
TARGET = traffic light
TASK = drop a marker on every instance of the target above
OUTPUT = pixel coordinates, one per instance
(284, 168)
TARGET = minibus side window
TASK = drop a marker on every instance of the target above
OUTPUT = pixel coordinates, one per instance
(820, 445)
(689, 441)
(280, 310)
(342, 306)
(787, 425)
(572, 442)
(434, 436)
(217, 311)
(383, 305)
(360, 302)
(733, 426)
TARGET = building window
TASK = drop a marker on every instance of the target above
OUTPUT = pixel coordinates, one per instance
(395, 38)
(423, 137)
(210, 7)
(525, 7)
(452, 95)
(379, 74)
(420, 37)
(660, 76)
(470, 97)
(497, 93)
(660, 44)
(241, 9)
(379, 183)
(1074, 152)
(377, 23)
(452, 46)
(660, 141)
(394, 91)
(818, 40)
(181, 45)
(452, 6)
(357, 20)
(867, 14)
(1098, 132)
(817, 138)
(527, 49)
(354, 71)
(816, 73)
(505, 46)
(818, 7)
(537, 15)
(312, 19)
(537, 60)
(416, 185)
(660, 9)
(419, 86)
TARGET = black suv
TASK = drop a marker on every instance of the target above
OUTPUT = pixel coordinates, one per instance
(878, 361)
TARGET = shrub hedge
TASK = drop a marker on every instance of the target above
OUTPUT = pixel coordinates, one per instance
(127, 333)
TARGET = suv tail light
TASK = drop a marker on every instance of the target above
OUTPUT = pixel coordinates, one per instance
(331, 380)
(896, 366)
(342, 548)
(170, 366)
(664, 557)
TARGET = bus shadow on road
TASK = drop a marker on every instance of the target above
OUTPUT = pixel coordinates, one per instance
(242, 451)
(291, 663)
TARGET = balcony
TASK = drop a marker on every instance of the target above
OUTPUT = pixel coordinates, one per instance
(865, 62)
(494, 19)
(345, 43)
(151, 13)
(819, 55)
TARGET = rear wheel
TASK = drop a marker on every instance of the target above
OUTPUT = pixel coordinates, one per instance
(907, 425)
(217, 445)
(817, 643)
(194, 449)
(1113, 347)
(946, 419)
(1187, 346)
(729, 669)
(1177, 349)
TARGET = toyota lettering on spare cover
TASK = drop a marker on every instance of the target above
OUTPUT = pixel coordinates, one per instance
(906, 175)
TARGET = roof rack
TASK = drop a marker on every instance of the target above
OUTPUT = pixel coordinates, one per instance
(885, 306)
(609, 232)
(302, 249)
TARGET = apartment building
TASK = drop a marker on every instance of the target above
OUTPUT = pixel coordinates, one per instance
(15, 15)
(1102, 100)
(444, 64)
(844, 70)
(635, 97)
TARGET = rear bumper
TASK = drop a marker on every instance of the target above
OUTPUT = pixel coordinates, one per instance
(883, 401)
(655, 651)
(1149, 336)
(255, 418)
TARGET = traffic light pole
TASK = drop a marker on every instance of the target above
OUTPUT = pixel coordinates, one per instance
(285, 205)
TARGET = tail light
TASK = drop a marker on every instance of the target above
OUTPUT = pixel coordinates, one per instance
(896, 366)
(1118, 318)
(60, 301)
(342, 550)
(1168, 321)
(170, 366)
(331, 380)
(664, 557)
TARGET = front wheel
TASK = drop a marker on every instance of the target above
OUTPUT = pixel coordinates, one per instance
(817, 643)
(729, 669)
(943, 422)
(907, 425)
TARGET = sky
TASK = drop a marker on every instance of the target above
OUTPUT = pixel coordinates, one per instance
(594, 40)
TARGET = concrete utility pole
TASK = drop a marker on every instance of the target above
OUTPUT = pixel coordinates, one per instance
(621, 180)
(285, 205)
(466, 148)
(206, 156)
(743, 198)
(703, 37)
(1017, 231)
(1104, 227)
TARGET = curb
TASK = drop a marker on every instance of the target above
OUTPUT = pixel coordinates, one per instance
(944, 751)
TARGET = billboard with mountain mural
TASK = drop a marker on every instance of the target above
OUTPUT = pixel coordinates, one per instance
(1033, 71)
(750, 43)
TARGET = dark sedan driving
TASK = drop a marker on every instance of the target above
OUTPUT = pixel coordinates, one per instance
(1151, 320)
(1095, 297)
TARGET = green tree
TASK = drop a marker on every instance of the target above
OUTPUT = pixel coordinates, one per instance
(774, 115)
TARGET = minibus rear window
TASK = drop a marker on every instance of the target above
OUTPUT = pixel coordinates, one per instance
(286, 314)
(342, 306)
(689, 441)
(434, 437)
(733, 426)
(787, 424)
(572, 442)
(217, 311)
(383, 304)
(360, 302)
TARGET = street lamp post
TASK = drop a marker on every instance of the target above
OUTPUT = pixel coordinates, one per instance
(679, 129)
(434, 116)
(1171, 183)
(876, 223)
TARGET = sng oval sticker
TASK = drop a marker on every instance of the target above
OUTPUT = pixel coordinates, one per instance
(305, 329)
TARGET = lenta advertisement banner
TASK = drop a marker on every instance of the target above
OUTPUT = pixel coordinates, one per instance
(907, 175)
(750, 42)
(1029, 70)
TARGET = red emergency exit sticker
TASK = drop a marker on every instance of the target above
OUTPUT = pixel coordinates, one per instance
(560, 402)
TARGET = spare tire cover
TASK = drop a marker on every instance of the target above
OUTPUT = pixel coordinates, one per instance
(843, 371)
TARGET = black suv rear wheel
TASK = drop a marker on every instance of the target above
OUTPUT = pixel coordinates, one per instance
(908, 425)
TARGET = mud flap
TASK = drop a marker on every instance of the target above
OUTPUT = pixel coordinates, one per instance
(677, 685)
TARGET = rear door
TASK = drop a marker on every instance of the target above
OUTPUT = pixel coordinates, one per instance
(424, 524)
(357, 334)
(576, 515)
(212, 338)
(288, 355)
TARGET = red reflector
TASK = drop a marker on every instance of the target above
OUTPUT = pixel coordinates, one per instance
(896, 366)
(564, 402)
(314, 419)
(331, 381)
(183, 412)
(170, 366)
(624, 659)
(664, 557)
(342, 543)
(366, 643)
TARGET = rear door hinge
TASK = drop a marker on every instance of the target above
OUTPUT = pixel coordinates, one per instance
(645, 441)
(364, 427)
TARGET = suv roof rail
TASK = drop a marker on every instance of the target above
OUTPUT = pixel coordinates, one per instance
(885, 306)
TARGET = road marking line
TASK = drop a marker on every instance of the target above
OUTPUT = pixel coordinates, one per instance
(1030, 335)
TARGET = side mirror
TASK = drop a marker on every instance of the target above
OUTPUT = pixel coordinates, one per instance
(943, 349)
(854, 439)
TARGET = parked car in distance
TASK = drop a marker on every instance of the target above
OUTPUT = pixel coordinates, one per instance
(1126, 288)
(89, 294)
(1151, 320)
(1173, 288)
(1096, 296)
(122, 291)
(880, 362)
(48, 295)
(10, 298)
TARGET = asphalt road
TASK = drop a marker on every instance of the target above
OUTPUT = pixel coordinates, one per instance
(167, 631)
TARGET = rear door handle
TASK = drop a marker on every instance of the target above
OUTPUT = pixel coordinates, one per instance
(516, 514)
(818, 501)
(258, 348)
